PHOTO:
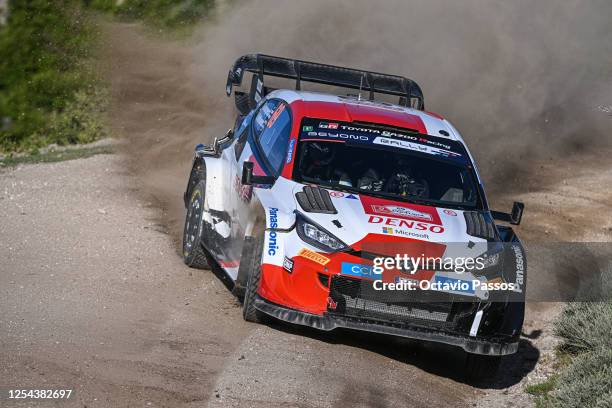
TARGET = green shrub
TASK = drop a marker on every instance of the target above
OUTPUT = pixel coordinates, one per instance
(587, 382)
(542, 388)
(42, 52)
(168, 13)
(585, 326)
(82, 121)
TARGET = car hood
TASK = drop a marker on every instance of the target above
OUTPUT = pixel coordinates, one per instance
(362, 220)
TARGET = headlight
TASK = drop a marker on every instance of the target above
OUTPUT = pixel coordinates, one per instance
(318, 236)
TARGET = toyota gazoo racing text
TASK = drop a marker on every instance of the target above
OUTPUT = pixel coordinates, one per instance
(347, 211)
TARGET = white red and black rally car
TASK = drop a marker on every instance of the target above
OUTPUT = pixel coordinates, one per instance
(298, 201)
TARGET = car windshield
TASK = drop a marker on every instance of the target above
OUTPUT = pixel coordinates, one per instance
(415, 168)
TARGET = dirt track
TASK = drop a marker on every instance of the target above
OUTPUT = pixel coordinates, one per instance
(95, 297)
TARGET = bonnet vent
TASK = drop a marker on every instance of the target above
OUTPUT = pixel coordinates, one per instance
(315, 200)
(478, 225)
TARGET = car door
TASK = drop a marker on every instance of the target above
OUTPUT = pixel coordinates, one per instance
(261, 137)
(264, 142)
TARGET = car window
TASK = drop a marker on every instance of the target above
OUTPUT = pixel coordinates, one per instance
(240, 143)
(242, 123)
(272, 128)
(242, 132)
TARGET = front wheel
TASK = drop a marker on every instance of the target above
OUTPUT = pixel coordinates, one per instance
(193, 252)
(480, 367)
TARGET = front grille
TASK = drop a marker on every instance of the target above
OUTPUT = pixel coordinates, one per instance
(394, 310)
(357, 298)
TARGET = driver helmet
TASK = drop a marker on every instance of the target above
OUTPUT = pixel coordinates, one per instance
(320, 154)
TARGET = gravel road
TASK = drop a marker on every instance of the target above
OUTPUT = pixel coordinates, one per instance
(95, 298)
(93, 295)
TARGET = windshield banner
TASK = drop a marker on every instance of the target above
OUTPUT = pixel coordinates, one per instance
(320, 130)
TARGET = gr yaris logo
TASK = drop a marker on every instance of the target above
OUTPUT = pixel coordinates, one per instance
(396, 210)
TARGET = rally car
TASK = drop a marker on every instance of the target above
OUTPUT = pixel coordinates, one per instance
(309, 190)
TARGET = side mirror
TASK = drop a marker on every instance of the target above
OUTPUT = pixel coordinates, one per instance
(514, 217)
(249, 179)
(218, 144)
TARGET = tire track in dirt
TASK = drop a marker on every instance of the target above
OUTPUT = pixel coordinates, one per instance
(93, 297)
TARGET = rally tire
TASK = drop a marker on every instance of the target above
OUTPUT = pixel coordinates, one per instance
(194, 254)
(480, 368)
(249, 312)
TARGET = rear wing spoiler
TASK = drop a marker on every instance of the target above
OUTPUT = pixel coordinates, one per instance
(260, 65)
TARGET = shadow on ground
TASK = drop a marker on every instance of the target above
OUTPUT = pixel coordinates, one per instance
(436, 359)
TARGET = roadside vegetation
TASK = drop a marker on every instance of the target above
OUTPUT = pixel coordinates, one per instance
(585, 378)
(162, 13)
(50, 91)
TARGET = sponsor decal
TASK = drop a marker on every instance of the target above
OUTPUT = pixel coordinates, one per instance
(273, 217)
(412, 234)
(358, 270)
(272, 245)
(387, 230)
(288, 264)
(352, 197)
(396, 210)
(450, 212)
(343, 136)
(388, 208)
(411, 139)
(404, 144)
(520, 267)
(290, 151)
(244, 192)
(331, 303)
(336, 194)
(401, 223)
(276, 114)
(388, 133)
(313, 256)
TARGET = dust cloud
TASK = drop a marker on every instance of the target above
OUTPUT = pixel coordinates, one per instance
(521, 80)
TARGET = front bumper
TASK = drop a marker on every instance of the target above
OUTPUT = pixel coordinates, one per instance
(477, 345)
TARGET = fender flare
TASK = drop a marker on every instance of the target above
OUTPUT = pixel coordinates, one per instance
(197, 169)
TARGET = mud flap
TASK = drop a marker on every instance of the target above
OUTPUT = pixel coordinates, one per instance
(243, 269)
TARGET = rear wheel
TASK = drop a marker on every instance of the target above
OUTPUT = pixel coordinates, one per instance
(480, 367)
(193, 252)
(249, 312)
